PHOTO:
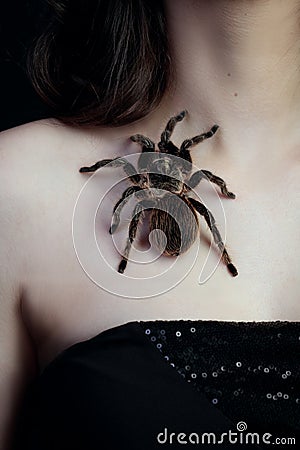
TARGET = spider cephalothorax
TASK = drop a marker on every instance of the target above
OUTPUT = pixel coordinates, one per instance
(162, 185)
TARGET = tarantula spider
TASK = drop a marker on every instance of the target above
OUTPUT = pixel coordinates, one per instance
(161, 175)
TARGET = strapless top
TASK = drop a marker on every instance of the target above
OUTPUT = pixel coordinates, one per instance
(170, 384)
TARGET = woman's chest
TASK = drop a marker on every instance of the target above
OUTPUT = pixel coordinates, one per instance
(74, 291)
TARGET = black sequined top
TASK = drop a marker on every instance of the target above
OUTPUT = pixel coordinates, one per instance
(169, 384)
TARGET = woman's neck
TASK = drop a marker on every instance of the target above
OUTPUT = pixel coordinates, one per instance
(236, 63)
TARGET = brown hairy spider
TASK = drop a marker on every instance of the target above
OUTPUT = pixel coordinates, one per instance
(161, 175)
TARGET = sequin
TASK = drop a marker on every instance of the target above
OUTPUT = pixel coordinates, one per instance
(245, 366)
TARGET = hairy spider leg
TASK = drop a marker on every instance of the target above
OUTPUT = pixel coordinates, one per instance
(165, 145)
(188, 143)
(145, 142)
(147, 146)
(115, 162)
(166, 134)
(197, 177)
(201, 209)
(122, 202)
(137, 215)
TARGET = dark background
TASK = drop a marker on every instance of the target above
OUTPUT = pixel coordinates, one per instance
(20, 22)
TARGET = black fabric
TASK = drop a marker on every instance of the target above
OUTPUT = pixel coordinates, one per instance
(249, 370)
(117, 391)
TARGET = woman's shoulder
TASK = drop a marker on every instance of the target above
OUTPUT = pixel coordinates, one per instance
(43, 146)
(36, 126)
(31, 135)
(40, 161)
(37, 160)
(22, 145)
(21, 155)
(46, 136)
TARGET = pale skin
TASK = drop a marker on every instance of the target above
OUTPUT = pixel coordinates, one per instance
(236, 64)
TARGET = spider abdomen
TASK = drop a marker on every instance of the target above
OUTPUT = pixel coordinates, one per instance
(179, 223)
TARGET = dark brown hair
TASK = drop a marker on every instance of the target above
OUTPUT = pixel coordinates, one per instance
(101, 62)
